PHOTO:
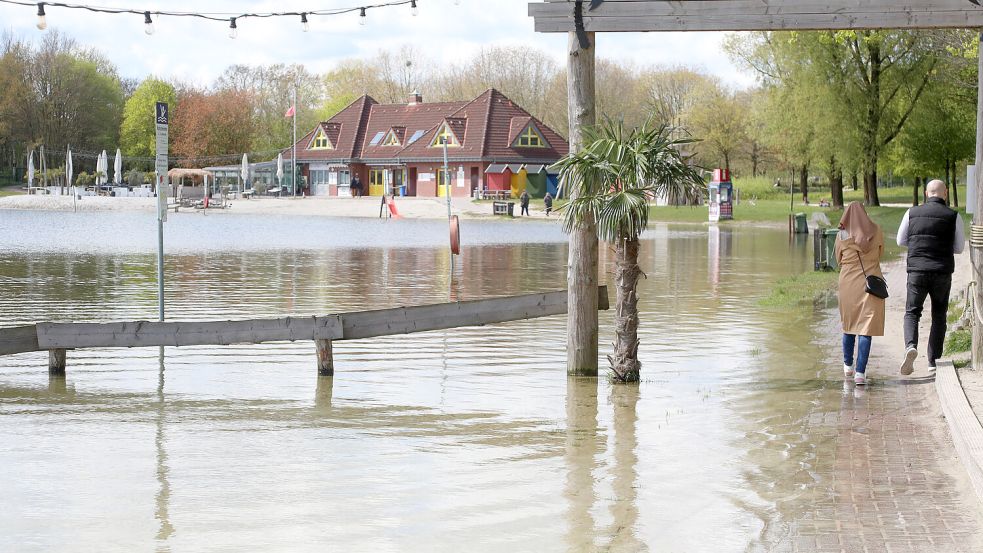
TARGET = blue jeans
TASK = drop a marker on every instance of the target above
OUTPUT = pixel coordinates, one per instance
(863, 352)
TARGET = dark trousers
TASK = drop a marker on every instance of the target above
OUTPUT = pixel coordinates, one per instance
(936, 286)
(525, 210)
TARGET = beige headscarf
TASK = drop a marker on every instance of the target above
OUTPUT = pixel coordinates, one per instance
(858, 224)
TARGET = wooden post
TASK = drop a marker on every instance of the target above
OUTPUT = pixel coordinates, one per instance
(582, 260)
(56, 361)
(325, 359)
(975, 255)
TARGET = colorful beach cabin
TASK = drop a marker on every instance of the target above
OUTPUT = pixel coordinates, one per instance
(721, 196)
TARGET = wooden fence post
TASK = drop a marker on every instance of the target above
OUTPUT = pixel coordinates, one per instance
(325, 359)
(56, 361)
(582, 260)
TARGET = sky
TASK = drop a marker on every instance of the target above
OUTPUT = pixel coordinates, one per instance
(446, 31)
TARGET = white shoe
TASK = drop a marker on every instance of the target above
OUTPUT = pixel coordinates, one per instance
(847, 371)
(860, 379)
(908, 365)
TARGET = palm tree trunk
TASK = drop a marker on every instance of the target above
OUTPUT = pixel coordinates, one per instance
(625, 362)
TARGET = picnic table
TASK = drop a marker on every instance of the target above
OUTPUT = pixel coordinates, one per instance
(495, 194)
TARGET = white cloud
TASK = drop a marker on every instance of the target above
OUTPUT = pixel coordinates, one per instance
(198, 51)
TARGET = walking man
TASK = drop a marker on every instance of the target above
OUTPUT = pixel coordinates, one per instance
(933, 234)
(524, 202)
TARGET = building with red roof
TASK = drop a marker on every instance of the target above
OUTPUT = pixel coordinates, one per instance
(492, 144)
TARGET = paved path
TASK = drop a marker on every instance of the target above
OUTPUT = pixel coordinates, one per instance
(888, 478)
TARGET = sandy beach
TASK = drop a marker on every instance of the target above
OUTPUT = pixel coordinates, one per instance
(410, 208)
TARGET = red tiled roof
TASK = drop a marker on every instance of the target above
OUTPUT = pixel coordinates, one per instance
(485, 127)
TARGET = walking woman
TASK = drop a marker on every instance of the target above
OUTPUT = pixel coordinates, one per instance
(858, 250)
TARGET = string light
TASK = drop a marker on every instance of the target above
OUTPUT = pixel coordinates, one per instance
(148, 24)
(42, 23)
(42, 19)
(233, 30)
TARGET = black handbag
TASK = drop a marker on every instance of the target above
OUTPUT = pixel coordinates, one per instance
(876, 286)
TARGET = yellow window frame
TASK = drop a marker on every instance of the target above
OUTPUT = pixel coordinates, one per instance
(391, 139)
(445, 133)
(530, 138)
(320, 141)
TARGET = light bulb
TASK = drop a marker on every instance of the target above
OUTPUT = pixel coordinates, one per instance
(361, 16)
(414, 11)
(303, 21)
(148, 24)
(42, 20)
(233, 31)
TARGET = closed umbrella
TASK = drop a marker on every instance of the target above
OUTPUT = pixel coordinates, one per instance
(279, 169)
(244, 172)
(101, 168)
(30, 171)
(118, 167)
(69, 169)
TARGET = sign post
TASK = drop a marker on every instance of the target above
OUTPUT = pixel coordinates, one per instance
(160, 123)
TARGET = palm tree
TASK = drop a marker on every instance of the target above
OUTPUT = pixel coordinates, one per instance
(612, 180)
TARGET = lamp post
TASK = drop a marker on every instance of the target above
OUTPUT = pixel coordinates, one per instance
(447, 191)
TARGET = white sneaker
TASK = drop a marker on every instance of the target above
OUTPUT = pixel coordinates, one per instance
(847, 371)
(908, 365)
(860, 379)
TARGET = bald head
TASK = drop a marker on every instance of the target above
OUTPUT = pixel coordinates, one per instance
(936, 189)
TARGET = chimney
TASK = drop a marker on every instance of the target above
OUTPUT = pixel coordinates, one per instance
(415, 98)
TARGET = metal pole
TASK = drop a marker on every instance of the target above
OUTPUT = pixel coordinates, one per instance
(160, 269)
(447, 189)
(976, 256)
(293, 158)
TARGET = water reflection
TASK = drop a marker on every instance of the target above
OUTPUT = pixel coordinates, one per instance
(584, 444)
(624, 508)
(162, 502)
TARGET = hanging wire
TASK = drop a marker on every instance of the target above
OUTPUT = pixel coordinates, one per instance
(211, 16)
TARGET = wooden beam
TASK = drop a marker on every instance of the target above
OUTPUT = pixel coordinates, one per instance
(145, 333)
(18, 339)
(405, 320)
(56, 362)
(758, 15)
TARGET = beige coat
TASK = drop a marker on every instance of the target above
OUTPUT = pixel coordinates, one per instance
(860, 312)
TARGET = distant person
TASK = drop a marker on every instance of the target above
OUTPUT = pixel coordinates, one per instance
(524, 202)
(356, 187)
(548, 202)
(858, 249)
(778, 182)
(933, 234)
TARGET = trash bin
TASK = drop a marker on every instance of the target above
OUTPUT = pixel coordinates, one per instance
(824, 255)
(511, 209)
(801, 226)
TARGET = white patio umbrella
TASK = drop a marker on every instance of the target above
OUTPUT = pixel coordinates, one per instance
(102, 168)
(244, 172)
(118, 167)
(69, 169)
(30, 171)
(279, 169)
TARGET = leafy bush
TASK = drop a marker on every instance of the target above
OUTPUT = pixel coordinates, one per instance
(85, 179)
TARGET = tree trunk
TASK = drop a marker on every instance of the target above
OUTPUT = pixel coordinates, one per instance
(835, 183)
(582, 260)
(727, 163)
(955, 190)
(625, 362)
(947, 180)
(870, 188)
(804, 183)
(853, 178)
(914, 194)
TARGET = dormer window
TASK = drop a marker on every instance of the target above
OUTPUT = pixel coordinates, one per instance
(445, 135)
(530, 138)
(391, 139)
(320, 141)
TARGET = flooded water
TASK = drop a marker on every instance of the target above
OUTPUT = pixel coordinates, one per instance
(462, 440)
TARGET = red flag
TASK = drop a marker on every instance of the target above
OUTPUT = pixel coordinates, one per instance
(290, 112)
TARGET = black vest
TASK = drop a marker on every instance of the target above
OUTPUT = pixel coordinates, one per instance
(931, 232)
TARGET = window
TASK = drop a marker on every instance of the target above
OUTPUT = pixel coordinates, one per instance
(391, 139)
(320, 141)
(530, 139)
(375, 139)
(444, 134)
(416, 136)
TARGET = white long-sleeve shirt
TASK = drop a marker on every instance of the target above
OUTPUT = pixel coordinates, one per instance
(958, 244)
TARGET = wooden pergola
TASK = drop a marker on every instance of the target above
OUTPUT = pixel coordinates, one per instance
(581, 19)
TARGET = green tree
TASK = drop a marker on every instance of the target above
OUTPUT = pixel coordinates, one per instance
(719, 118)
(138, 131)
(611, 180)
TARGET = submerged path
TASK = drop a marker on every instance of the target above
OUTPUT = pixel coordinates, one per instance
(883, 474)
